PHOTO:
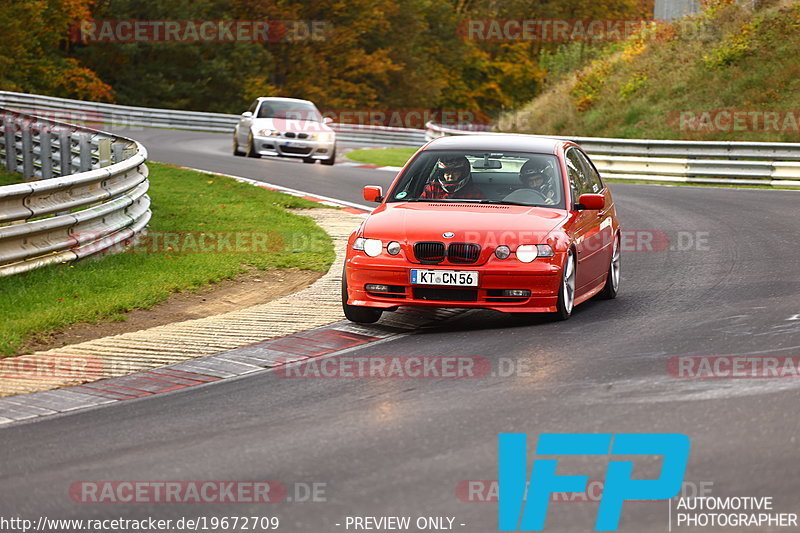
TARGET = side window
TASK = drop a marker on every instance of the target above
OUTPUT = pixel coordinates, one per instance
(253, 107)
(595, 184)
(577, 174)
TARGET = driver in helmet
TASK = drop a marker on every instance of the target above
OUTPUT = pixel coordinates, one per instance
(539, 175)
(453, 179)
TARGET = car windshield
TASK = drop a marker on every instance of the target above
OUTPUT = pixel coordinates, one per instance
(482, 177)
(291, 110)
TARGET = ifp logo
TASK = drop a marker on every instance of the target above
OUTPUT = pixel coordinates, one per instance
(522, 506)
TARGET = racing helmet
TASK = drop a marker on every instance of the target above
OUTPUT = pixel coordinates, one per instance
(537, 173)
(453, 172)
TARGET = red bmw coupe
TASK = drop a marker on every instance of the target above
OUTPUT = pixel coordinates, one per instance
(513, 223)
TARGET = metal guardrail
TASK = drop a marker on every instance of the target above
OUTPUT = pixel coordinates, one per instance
(740, 163)
(721, 162)
(88, 193)
(379, 135)
(91, 112)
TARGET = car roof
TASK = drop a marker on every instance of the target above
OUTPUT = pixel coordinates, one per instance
(511, 143)
(284, 99)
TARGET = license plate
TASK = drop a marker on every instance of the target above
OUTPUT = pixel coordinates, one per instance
(293, 144)
(459, 278)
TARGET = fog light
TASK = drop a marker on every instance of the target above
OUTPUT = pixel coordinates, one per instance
(517, 293)
(371, 287)
(502, 252)
(393, 248)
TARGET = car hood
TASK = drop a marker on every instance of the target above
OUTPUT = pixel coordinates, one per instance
(484, 224)
(295, 125)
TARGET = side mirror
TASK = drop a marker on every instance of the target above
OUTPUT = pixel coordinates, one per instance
(591, 201)
(373, 193)
(247, 114)
(327, 120)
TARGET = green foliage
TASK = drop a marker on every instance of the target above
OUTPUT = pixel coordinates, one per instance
(729, 58)
(567, 58)
(636, 82)
(589, 84)
(375, 54)
(34, 50)
(733, 47)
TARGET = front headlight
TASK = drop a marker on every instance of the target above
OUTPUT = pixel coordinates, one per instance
(371, 247)
(502, 251)
(323, 137)
(527, 253)
(269, 133)
(544, 250)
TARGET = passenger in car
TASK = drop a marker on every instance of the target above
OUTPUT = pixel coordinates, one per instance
(539, 175)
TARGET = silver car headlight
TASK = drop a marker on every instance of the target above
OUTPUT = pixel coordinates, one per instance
(269, 133)
(323, 137)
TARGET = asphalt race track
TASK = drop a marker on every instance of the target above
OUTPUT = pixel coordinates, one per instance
(721, 280)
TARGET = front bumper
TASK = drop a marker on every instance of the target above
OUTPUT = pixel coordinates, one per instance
(542, 277)
(302, 148)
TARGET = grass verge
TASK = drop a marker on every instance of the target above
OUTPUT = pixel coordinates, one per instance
(384, 157)
(10, 178)
(185, 205)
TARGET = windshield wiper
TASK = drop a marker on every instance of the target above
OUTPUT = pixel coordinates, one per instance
(505, 202)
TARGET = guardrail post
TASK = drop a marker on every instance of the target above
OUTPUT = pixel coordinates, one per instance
(119, 151)
(86, 152)
(27, 151)
(65, 152)
(11, 149)
(45, 151)
(104, 152)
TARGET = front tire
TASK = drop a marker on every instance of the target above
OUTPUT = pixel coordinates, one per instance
(251, 148)
(332, 159)
(566, 292)
(356, 313)
(611, 288)
(236, 150)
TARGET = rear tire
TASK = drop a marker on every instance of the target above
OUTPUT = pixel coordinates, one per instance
(356, 313)
(611, 288)
(566, 292)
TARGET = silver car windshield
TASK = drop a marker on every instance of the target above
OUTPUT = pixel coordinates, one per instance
(482, 177)
(289, 110)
